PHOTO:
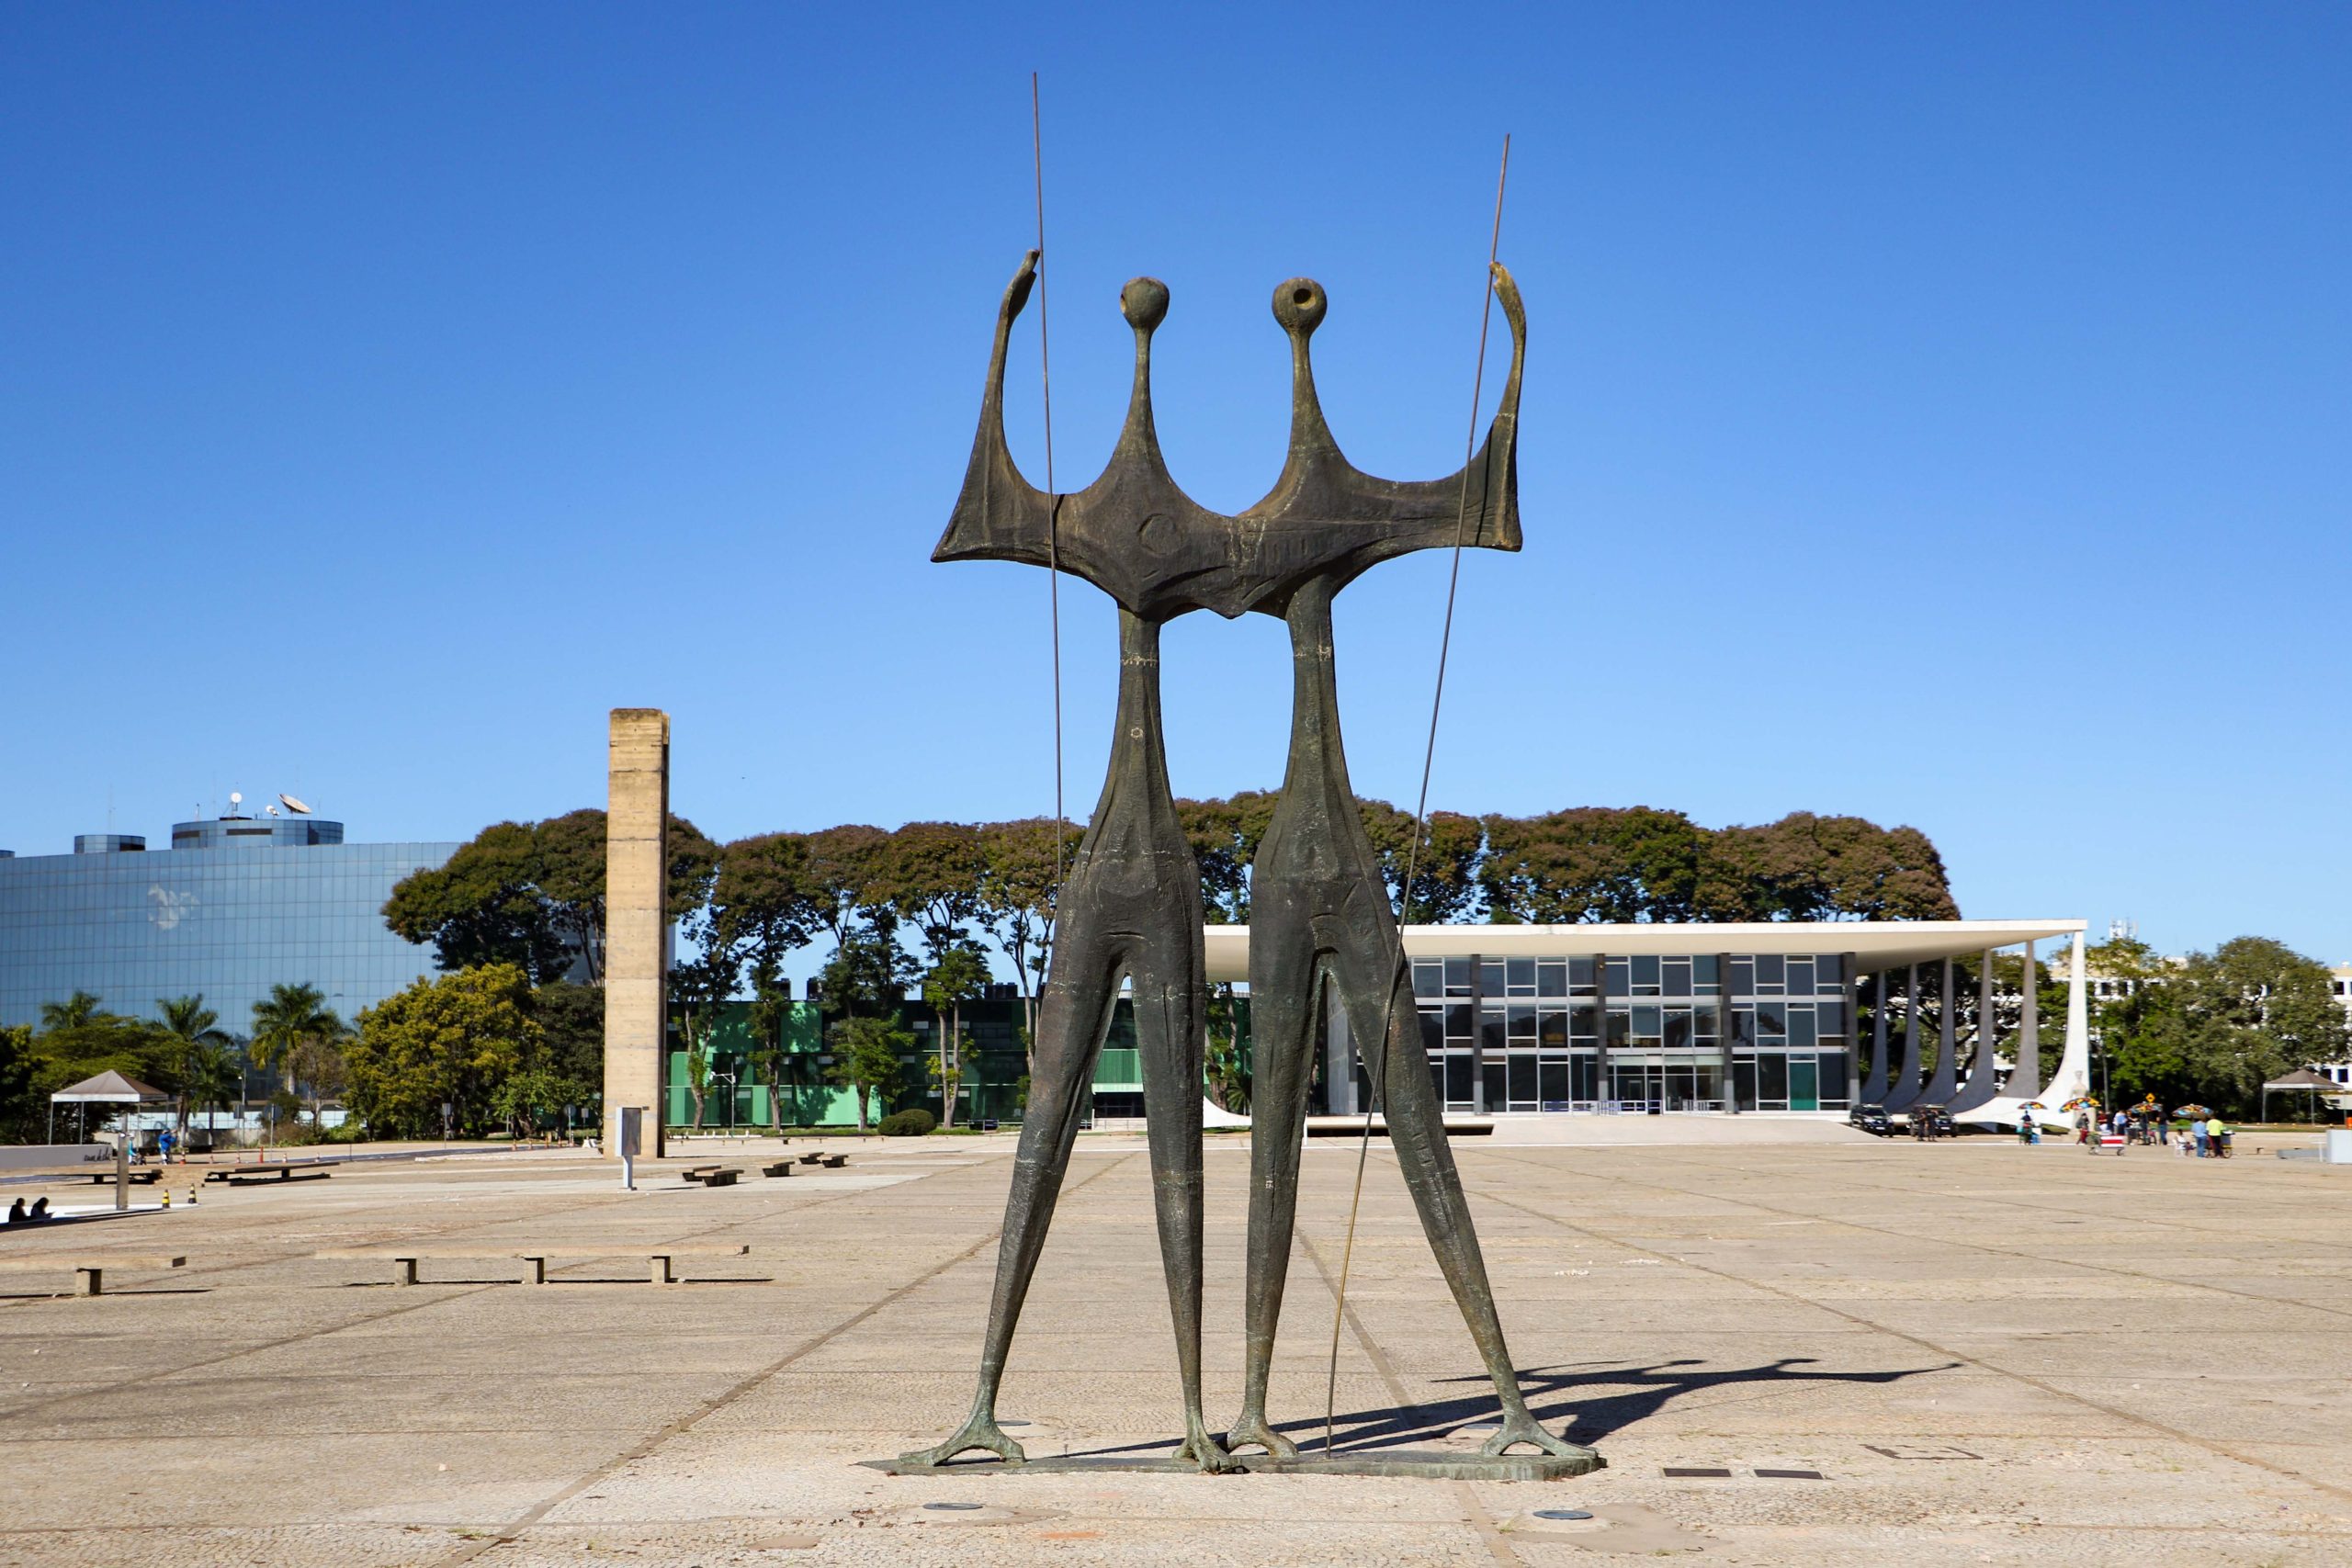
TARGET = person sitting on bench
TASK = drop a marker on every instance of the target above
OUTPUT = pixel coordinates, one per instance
(17, 1212)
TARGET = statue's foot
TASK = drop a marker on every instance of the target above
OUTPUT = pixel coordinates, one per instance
(1203, 1451)
(979, 1432)
(1523, 1428)
(1252, 1431)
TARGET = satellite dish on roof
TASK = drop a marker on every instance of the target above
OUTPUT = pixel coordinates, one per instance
(235, 799)
(294, 806)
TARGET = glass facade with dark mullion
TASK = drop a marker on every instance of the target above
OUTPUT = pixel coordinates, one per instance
(227, 917)
(1680, 1035)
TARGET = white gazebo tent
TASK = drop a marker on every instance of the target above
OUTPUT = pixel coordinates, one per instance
(106, 1088)
(2302, 1080)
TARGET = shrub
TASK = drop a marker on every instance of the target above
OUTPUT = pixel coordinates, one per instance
(907, 1123)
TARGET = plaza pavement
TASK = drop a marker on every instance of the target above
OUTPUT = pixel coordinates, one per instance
(1991, 1354)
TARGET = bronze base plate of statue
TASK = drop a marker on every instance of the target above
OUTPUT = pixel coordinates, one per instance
(1322, 928)
(1429, 1464)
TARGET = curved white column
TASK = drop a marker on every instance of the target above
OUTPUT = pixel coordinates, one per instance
(2074, 1075)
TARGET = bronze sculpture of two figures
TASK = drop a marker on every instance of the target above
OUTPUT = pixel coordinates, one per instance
(1131, 911)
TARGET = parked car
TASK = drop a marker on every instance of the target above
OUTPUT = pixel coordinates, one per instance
(1871, 1118)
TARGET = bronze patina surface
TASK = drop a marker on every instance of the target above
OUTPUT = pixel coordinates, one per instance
(1131, 908)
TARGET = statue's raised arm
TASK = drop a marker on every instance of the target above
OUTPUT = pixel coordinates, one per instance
(1136, 536)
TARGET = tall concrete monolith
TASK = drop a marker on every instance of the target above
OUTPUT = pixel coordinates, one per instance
(637, 932)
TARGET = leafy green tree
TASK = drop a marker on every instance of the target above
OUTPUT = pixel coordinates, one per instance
(1805, 868)
(1592, 863)
(190, 1026)
(1019, 865)
(1445, 872)
(2214, 1027)
(958, 975)
(453, 1039)
(571, 1028)
(532, 894)
(528, 1099)
(770, 1005)
(19, 1120)
(766, 903)
(848, 879)
(865, 1059)
(699, 988)
(296, 1033)
(930, 876)
(869, 972)
(1225, 836)
(1228, 1068)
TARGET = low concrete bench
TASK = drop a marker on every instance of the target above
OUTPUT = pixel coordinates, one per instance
(714, 1175)
(781, 1168)
(833, 1162)
(273, 1170)
(535, 1259)
(89, 1272)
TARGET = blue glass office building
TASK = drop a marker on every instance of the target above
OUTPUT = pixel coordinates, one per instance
(234, 907)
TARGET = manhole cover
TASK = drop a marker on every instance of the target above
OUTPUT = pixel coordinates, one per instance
(951, 1507)
(1697, 1472)
(1562, 1514)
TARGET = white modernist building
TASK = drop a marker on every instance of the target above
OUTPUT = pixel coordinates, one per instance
(1714, 1018)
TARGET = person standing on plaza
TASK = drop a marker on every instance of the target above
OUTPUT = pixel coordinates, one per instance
(2214, 1133)
(2201, 1137)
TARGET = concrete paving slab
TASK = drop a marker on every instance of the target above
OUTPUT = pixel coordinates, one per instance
(1988, 1353)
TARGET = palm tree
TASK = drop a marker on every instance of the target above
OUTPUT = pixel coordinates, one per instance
(75, 1011)
(294, 1026)
(189, 1025)
(214, 1075)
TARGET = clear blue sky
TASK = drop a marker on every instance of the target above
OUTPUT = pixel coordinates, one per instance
(1940, 416)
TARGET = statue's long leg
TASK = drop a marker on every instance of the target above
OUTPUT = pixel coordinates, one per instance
(1282, 1035)
(1170, 993)
(1415, 1118)
(1073, 1017)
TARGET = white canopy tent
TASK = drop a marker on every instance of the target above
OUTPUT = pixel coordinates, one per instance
(2300, 1081)
(106, 1088)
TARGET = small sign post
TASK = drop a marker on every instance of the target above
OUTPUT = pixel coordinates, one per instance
(122, 1170)
(627, 1131)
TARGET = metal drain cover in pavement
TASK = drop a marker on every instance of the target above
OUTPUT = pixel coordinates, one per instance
(951, 1507)
(1562, 1514)
(1697, 1472)
(1790, 1475)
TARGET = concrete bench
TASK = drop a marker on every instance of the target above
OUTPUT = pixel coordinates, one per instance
(714, 1175)
(833, 1162)
(781, 1168)
(404, 1259)
(273, 1170)
(136, 1173)
(89, 1272)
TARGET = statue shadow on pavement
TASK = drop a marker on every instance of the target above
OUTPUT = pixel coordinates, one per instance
(1620, 1394)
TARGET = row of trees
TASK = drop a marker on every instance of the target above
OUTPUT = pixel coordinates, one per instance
(182, 1051)
(936, 907)
(2212, 1027)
